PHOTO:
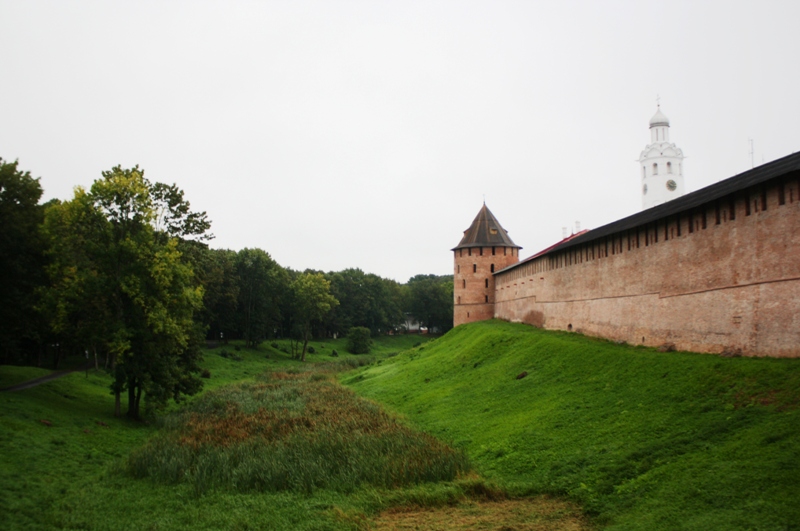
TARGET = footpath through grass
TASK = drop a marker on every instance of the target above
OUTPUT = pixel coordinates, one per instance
(641, 439)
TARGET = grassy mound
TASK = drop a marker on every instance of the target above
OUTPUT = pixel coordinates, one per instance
(291, 431)
(643, 440)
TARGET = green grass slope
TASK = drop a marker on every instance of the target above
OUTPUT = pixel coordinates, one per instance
(642, 439)
(63, 454)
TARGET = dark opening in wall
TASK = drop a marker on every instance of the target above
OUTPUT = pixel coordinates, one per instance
(691, 222)
(458, 268)
(481, 251)
(781, 193)
(732, 207)
(469, 251)
(485, 298)
(463, 283)
(459, 299)
(678, 224)
(716, 212)
(763, 198)
(486, 283)
(569, 327)
(504, 250)
(492, 268)
(747, 205)
(474, 268)
(703, 219)
(493, 249)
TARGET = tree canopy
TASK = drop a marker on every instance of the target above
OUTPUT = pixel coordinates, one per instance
(122, 273)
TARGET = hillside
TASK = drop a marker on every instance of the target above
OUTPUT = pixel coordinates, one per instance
(642, 439)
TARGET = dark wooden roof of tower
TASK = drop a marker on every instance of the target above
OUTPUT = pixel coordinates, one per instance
(485, 231)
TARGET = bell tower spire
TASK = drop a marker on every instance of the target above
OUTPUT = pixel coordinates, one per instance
(661, 164)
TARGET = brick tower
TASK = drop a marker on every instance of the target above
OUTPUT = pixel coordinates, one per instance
(484, 249)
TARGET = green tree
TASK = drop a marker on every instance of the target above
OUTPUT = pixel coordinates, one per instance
(430, 300)
(366, 300)
(359, 340)
(118, 280)
(21, 259)
(263, 285)
(312, 302)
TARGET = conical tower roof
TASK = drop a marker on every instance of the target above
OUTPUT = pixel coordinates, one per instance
(485, 231)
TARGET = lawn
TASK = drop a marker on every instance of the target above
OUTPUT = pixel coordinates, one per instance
(640, 439)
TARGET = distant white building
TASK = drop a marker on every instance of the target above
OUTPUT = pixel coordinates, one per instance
(661, 165)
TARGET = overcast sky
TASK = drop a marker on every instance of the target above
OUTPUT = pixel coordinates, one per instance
(366, 134)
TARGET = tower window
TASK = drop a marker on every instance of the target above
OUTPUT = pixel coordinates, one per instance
(474, 268)
(485, 298)
(492, 268)
(492, 251)
(669, 167)
(486, 283)
(469, 251)
(655, 168)
(458, 269)
(463, 283)
(459, 299)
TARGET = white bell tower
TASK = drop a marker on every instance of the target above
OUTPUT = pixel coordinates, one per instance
(660, 165)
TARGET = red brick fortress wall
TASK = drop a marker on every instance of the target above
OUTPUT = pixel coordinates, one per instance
(474, 289)
(724, 276)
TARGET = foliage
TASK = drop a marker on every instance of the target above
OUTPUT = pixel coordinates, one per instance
(312, 301)
(364, 300)
(359, 340)
(21, 259)
(296, 432)
(120, 285)
(641, 439)
(430, 300)
(263, 285)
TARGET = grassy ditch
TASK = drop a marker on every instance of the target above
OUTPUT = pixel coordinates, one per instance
(641, 439)
(69, 464)
(295, 431)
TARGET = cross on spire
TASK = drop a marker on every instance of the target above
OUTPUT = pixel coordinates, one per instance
(658, 101)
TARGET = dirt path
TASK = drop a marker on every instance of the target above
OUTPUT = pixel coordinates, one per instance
(46, 378)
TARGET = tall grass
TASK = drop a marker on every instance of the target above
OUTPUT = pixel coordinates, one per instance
(295, 432)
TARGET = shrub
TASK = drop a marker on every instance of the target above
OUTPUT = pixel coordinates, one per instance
(230, 355)
(334, 353)
(274, 345)
(311, 350)
(359, 340)
(418, 343)
(205, 374)
(237, 348)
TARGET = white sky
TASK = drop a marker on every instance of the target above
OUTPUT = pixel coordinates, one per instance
(339, 134)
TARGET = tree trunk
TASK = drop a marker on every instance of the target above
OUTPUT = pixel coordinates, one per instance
(132, 413)
(306, 330)
(117, 408)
